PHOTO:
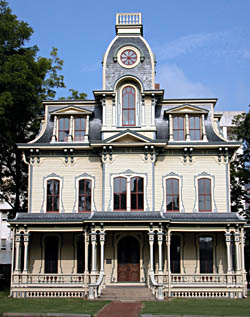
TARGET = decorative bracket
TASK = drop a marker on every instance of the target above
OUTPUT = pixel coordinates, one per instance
(188, 152)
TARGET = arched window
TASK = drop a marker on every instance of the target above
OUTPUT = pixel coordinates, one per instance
(137, 196)
(84, 195)
(172, 194)
(206, 254)
(51, 255)
(128, 106)
(175, 254)
(53, 190)
(204, 189)
(120, 193)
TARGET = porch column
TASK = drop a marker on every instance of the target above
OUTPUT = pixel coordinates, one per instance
(93, 242)
(102, 240)
(86, 252)
(26, 252)
(18, 252)
(242, 250)
(151, 245)
(168, 242)
(229, 256)
(159, 235)
(237, 250)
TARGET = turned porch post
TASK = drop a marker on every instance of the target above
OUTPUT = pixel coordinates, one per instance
(151, 245)
(86, 252)
(102, 240)
(93, 242)
(229, 256)
(26, 252)
(18, 252)
(159, 235)
(237, 250)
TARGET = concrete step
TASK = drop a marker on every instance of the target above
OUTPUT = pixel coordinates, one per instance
(129, 293)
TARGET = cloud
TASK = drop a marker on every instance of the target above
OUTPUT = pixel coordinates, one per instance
(186, 44)
(230, 43)
(177, 85)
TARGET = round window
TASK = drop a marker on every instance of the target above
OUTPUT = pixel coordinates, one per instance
(128, 57)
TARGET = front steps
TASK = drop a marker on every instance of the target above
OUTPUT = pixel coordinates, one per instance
(137, 293)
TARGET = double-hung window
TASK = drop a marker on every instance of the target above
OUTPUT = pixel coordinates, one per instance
(129, 193)
(80, 129)
(195, 127)
(204, 192)
(137, 193)
(84, 195)
(172, 194)
(53, 190)
(178, 128)
(120, 193)
(63, 129)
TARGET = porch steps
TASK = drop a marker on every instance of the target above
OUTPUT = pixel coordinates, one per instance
(127, 293)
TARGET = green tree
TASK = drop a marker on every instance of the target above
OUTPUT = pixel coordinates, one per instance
(74, 95)
(25, 80)
(240, 167)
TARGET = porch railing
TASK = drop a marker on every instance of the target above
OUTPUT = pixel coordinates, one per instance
(45, 279)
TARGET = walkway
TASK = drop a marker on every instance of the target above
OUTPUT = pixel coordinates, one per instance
(121, 309)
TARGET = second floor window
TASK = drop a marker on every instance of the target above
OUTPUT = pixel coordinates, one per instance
(84, 195)
(80, 129)
(172, 194)
(204, 189)
(178, 128)
(63, 129)
(120, 193)
(128, 106)
(137, 193)
(194, 128)
(53, 195)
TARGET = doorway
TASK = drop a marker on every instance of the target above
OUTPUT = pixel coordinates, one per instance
(128, 260)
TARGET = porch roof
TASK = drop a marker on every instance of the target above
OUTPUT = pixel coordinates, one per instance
(138, 216)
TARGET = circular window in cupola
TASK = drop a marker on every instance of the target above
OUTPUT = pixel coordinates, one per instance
(128, 56)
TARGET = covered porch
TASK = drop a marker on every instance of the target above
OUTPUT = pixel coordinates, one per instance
(79, 258)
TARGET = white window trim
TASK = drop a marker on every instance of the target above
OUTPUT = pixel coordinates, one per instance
(196, 203)
(119, 106)
(164, 188)
(128, 187)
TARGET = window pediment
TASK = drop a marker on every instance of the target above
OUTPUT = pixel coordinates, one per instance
(71, 110)
(129, 137)
(187, 108)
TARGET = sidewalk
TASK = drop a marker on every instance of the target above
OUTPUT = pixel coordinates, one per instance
(121, 309)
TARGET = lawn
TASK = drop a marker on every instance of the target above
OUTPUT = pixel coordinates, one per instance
(210, 307)
(48, 305)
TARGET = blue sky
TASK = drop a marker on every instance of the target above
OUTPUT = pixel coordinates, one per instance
(202, 47)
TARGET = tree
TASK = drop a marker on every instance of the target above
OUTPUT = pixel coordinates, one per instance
(25, 80)
(75, 95)
(240, 167)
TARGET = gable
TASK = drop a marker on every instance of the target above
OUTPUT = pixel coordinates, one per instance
(128, 137)
(71, 110)
(187, 108)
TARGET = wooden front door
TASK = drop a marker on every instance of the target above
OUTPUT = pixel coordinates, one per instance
(128, 260)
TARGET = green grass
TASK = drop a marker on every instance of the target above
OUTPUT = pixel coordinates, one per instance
(48, 305)
(211, 307)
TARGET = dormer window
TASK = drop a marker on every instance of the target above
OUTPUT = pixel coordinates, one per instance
(80, 129)
(71, 124)
(187, 123)
(63, 129)
(128, 106)
(178, 128)
(195, 127)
